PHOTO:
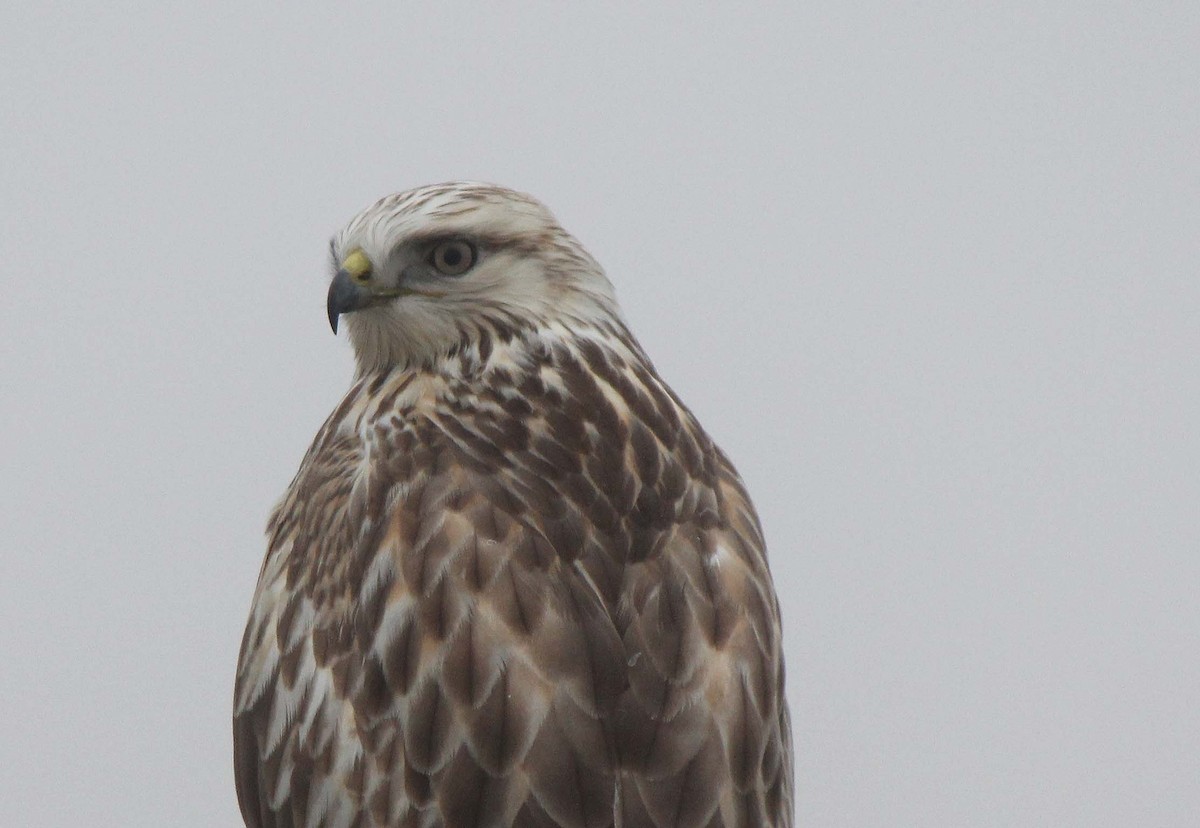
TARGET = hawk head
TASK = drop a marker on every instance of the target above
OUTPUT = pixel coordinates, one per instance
(420, 272)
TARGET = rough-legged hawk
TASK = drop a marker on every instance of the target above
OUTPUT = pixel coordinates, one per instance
(513, 582)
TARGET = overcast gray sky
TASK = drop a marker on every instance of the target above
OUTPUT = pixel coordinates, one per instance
(928, 272)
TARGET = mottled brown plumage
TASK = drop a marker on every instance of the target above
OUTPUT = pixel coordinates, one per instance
(514, 582)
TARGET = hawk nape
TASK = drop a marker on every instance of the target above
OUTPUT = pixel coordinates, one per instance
(513, 582)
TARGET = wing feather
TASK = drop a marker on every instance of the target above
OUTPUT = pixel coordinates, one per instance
(542, 602)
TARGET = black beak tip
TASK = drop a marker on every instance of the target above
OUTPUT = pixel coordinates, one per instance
(333, 319)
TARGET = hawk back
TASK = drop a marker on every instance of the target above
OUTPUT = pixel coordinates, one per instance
(521, 587)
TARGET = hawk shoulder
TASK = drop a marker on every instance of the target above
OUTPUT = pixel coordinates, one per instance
(525, 589)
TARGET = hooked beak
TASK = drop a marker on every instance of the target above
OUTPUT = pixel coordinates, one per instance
(353, 288)
(345, 295)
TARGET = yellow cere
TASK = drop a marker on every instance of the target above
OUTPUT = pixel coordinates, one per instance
(357, 265)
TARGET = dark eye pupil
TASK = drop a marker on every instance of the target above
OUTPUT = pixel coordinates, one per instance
(452, 256)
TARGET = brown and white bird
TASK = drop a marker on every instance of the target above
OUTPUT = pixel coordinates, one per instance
(513, 583)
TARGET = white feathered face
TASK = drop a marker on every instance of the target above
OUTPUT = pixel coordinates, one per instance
(419, 271)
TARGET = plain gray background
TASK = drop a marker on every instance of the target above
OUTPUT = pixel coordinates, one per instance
(928, 272)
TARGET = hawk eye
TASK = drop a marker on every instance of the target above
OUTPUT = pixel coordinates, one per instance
(453, 258)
